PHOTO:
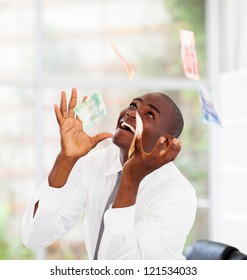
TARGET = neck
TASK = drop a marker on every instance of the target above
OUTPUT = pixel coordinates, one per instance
(123, 156)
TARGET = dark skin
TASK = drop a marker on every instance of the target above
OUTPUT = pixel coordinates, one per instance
(155, 148)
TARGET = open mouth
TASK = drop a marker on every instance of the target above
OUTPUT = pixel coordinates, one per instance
(127, 127)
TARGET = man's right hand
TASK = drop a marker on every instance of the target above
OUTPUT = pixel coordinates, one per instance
(75, 143)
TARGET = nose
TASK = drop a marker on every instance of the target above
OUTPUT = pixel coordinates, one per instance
(131, 114)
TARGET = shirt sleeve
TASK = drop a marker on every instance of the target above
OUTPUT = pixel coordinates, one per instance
(160, 233)
(57, 213)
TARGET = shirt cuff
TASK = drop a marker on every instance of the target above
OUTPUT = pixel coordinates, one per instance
(49, 197)
(119, 220)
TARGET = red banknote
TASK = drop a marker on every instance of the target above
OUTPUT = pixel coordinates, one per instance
(128, 67)
(188, 53)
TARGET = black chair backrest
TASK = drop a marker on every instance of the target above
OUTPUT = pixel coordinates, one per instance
(211, 250)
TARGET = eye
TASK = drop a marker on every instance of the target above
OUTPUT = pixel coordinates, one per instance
(133, 105)
(151, 114)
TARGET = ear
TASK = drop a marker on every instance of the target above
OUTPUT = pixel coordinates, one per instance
(169, 138)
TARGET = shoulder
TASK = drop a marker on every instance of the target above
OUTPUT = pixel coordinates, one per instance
(171, 177)
(109, 152)
(98, 158)
(166, 193)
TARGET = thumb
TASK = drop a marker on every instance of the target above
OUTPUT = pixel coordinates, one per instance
(138, 144)
(100, 137)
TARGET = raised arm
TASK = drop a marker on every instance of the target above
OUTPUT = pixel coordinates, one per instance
(75, 143)
(141, 164)
(55, 209)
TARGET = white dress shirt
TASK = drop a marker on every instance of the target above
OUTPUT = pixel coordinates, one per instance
(155, 227)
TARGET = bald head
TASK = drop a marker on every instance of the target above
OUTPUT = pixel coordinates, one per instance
(160, 117)
(173, 120)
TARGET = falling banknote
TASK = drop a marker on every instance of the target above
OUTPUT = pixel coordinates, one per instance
(128, 67)
(189, 59)
(91, 110)
(138, 131)
(208, 110)
(188, 54)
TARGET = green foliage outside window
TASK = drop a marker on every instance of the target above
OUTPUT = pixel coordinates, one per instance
(190, 15)
(11, 247)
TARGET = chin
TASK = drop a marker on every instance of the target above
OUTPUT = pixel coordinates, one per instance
(121, 142)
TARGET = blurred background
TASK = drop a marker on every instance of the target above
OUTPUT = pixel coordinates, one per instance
(51, 45)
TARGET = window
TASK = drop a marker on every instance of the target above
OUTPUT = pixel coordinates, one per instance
(43, 54)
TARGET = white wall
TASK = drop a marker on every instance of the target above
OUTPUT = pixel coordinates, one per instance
(231, 206)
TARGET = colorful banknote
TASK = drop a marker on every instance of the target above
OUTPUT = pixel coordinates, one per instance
(189, 59)
(91, 110)
(209, 113)
(188, 54)
(138, 131)
(128, 67)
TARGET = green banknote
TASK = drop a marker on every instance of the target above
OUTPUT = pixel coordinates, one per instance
(91, 110)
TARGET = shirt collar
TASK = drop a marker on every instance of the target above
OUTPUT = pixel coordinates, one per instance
(115, 165)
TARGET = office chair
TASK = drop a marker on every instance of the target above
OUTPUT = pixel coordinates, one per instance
(211, 250)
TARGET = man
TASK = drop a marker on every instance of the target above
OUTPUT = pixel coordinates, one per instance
(154, 207)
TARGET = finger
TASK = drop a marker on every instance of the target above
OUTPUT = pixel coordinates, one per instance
(177, 149)
(63, 105)
(173, 149)
(138, 144)
(100, 137)
(84, 98)
(72, 103)
(160, 146)
(58, 115)
(78, 118)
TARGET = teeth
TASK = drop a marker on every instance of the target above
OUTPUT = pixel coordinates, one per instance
(124, 125)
